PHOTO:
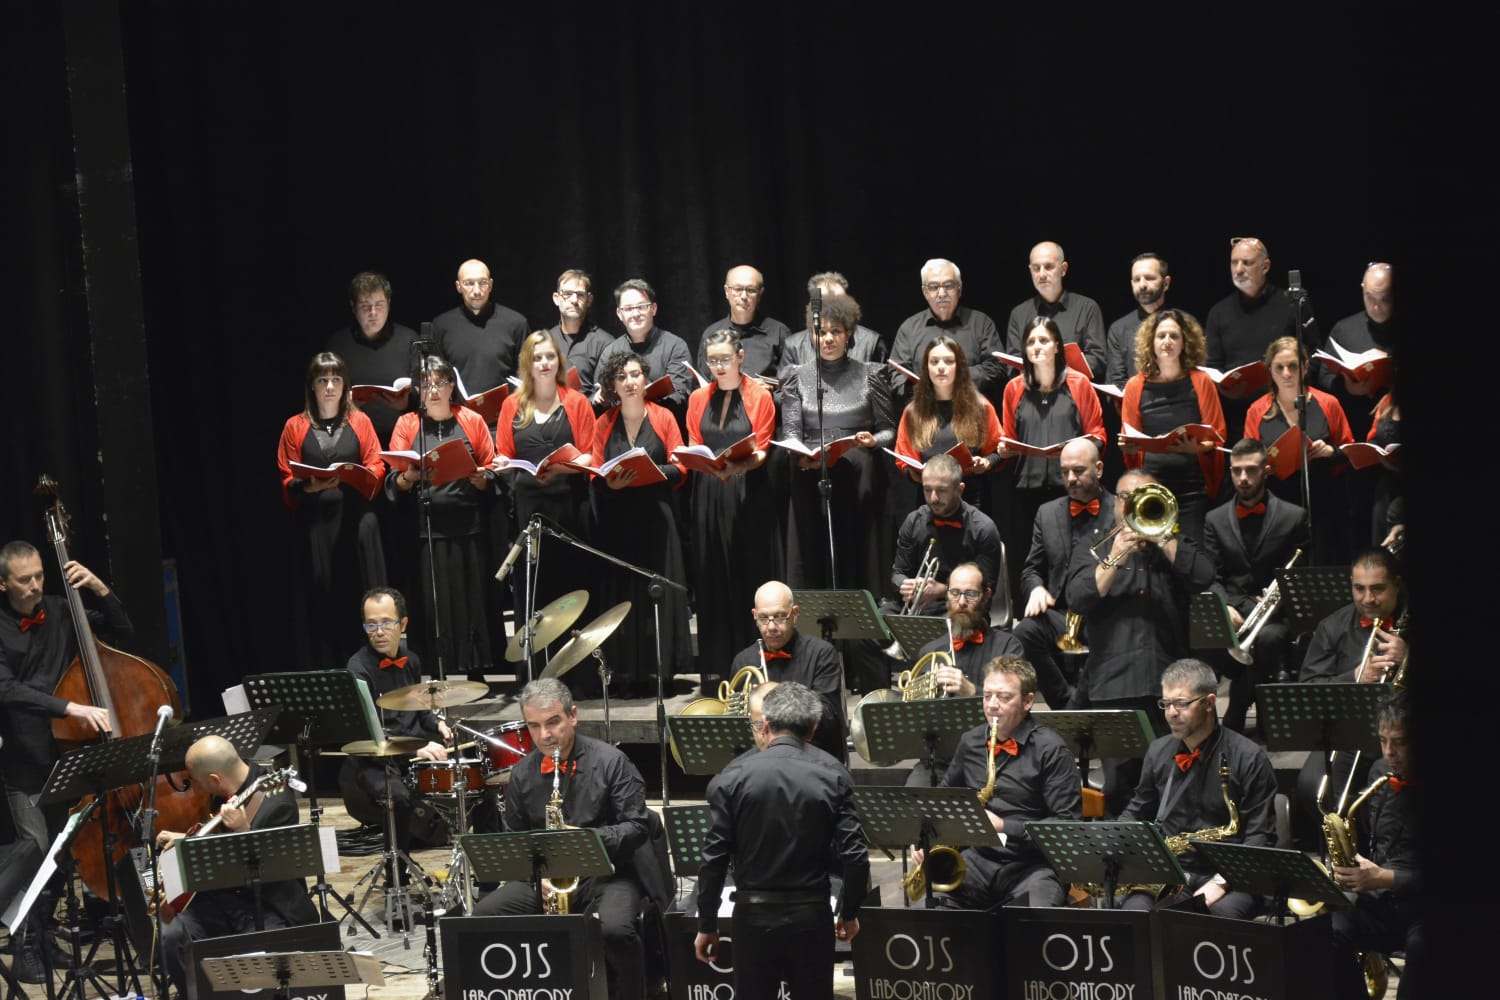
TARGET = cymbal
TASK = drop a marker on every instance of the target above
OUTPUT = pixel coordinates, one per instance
(586, 640)
(551, 622)
(475, 709)
(432, 694)
(396, 746)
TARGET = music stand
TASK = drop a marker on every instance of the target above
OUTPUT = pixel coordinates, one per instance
(704, 744)
(318, 708)
(915, 631)
(249, 858)
(1107, 853)
(1274, 873)
(532, 855)
(840, 614)
(1109, 732)
(897, 816)
(928, 728)
(280, 971)
(1321, 716)
(1209, 626)
(687, 829)
(1311, 594)
(18, 908)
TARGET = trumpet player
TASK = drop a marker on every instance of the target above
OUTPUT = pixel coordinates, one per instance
(1181, 789)
(1034, 777)
(601, 790)
(1349, 645)
(963, 533)
(1249, 539)
(1385, 877)
(784, 654)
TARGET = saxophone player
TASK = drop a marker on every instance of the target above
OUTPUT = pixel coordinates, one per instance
(1385, 876)
(601, 790)
(1182, 792)
(1029, 774)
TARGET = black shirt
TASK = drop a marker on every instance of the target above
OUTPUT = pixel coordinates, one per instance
(484, 347)
(1239, 330)
(813, 664)
(978, 541)
(1077, 316)
(365, 665)
(378, 360)
(583, 351)
(973, 330)
(761, 341)
(602, 792)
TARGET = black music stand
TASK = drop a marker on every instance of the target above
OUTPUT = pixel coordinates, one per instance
(532, 855)
(687, 829)
(1311, 594)
(1103, 732)
(898, 817)
(250, 858)
(840, 614)
(915, 631)
(1107, 853)
(319, 708)
(1277, 874)
(16, 911)
(1209, 626)
(280, 971)
(706, 743)
(928, 728)
(1321, 716)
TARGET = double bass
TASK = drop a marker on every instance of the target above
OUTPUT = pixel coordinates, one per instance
(130, 690)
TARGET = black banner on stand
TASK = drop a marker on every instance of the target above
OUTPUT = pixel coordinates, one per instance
(1067, 954)
(522, 958)
(904, 953)
(1206, 957)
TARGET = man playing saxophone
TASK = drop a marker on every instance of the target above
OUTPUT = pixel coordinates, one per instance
(1385, 876)
(601, 790)
(1181, 790)
(1025, 772)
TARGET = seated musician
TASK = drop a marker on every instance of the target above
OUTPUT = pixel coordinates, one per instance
(1249, 539)
(601, 790)
(963, 533)
(385, 664)
(1181, 790)
(214, 764)
(975, 644)
(792, 656)
(1348, 647)
(1385, 878)
(1035, 777)
(1060, 524)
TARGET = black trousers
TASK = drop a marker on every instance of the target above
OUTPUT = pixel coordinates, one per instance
(783, 950)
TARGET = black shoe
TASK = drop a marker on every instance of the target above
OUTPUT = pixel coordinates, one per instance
(27, 965)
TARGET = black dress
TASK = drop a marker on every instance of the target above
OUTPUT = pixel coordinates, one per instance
(638, 525)
(737, 544)
(1165, 406)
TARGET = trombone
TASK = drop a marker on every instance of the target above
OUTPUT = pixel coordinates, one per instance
(1150, 511)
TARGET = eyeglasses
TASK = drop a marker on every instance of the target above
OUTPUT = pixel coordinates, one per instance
(940, 286)
(966, 595)
(1181, 706)
(742, 289)
(476, 282)
(720, 362)
(768, 619)
(381, 626)
(627, 310)
(570, 293)
(437, 385)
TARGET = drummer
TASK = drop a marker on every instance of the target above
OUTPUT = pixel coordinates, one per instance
(385, 664)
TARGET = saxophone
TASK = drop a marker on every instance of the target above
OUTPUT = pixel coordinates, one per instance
(948, 863)
(1180, 843)
(562, 889)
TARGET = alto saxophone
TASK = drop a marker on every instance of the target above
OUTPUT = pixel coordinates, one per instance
(1180, 843)
(949, 868)
(563, 888)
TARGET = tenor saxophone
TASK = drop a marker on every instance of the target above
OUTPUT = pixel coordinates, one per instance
(562, 888)
(946, 863)
(1180, 843)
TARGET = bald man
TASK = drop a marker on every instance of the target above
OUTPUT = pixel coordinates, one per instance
(480, 337)
(1078, 316)
(761, 337)
(792, 656)
(214, 764)
(1242, 325)
(1372, 328)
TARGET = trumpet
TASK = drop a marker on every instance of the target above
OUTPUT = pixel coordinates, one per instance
(1270, 600)
(926, 572)
(1398, 679)
(1150, 511)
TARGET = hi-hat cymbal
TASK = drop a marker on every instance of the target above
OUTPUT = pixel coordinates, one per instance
(586, 640)
(432, 694)
(396, 746)
(550, 622)
(490, 707)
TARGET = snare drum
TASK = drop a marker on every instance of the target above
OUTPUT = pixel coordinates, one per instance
(505, 746)
(439, 778)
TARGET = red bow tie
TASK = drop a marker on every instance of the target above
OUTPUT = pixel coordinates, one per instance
(778, 654)
(399, 662)
(568, 767)
(1244, 512)
(28, 623)
(976, 637)
(1185, 760)
(1075, 508)
(1367, 622)
(1399, 785)
(1008, 745)
(939, 522)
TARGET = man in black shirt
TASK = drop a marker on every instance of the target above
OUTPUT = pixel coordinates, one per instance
(782, 816)
(481, 338)
(760, 338)
(1077, 316)
(1149, 281)
(1372, 328)
(578, 339)
(958, 532)
(942, 287)
(376, 349)
(663, 350)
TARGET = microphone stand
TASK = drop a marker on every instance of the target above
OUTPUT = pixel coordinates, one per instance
(1298, 295)
(424, 506)
(825, 485)
(147, 833)
(657, 589)
(528, 591)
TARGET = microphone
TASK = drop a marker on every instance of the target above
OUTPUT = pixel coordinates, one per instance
(513, 555)
(162, 715)
(817, 306)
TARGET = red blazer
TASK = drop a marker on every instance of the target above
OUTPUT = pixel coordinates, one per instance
(1339, 433)
(575, 405)
(662, 422)
(294, 434)
(1084, 398)
(1209, 412)
(988, 446)
(759, 407)
(471, 423)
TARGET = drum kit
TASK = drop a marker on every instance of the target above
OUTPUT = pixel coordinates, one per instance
(457, 786)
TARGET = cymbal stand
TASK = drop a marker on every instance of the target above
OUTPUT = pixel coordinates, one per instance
(604, 678)
(458, 864)
(307, 751)
(397, 896)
